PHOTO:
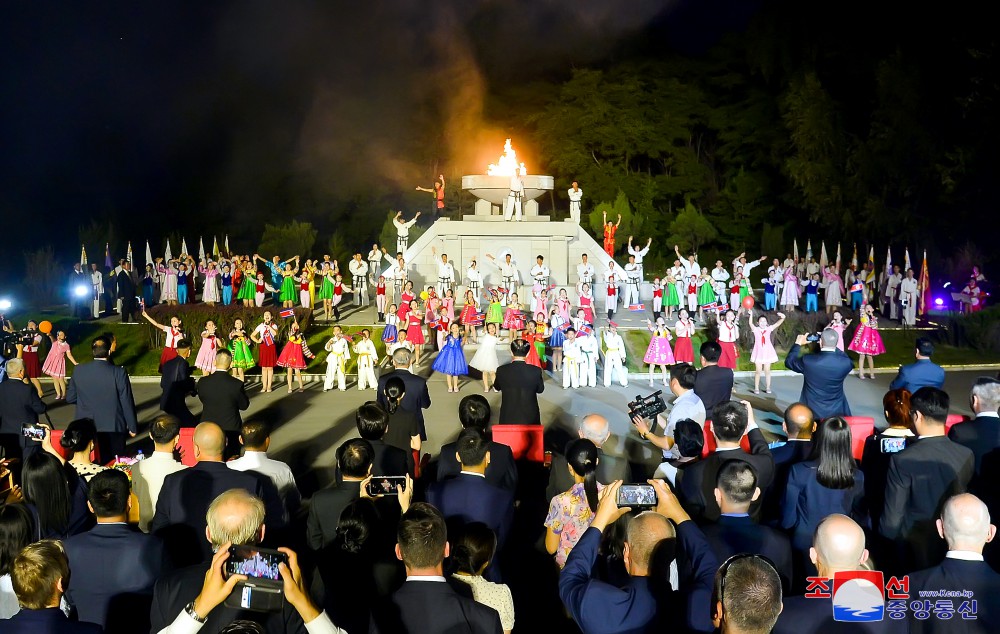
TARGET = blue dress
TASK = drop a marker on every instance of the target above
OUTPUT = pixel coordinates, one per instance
(557, 337)
(451, 359)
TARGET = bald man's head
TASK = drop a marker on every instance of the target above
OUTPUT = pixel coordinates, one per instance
(209, 442)
(235, 517)
(595, 428)
(799, 421)
(965, 524)
(644, 534)
(838, 545)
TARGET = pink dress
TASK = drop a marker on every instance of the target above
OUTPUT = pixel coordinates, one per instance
(513, 319)
(562, 307)
(866, 338)
(55, 362)
(763, 349)
(206, 354)
(659, 352)
(839, 328)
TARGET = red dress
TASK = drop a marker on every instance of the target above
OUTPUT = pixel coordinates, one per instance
(414, 329)
(683, 350)
(533, 358)
(267, 351)
(291, 355)
(587, 305)
(468, 315)
(170, 345)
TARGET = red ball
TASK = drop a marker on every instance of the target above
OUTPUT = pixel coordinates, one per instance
(748, 302)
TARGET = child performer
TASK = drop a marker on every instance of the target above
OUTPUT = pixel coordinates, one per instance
(391, 325)
(29, 354)
(571, 360)
(367, 356)
(562, 304)
(469, 318)
(791, 291)
(706, 294)
(443, 327)
(451, 360)
(614, 356)
(867, 341)
(168, 291)
(541, 331)
(239, 346)
(839, 325)
(293, 356)
(586, 303)
(812, 293)
(182, 283)
(611, 296)
(673, 297)
(763, 354)
(589, 354)
(338, 294)
(304, 279)
(494, 312)
(248, 290)
(326, 290)
(684, 330)
(260, 287)
(448, 303)
(659, 353)
(210, 343)
(513, 320)
(210, 291)
(692, 293)
(336, 361)
(531, 336)
(174, 334)
(485, 360)
(380, 298)
(265, 335)
(770, 299)
(834, 288)
(55, 363)
(729, 334)
(556, 338)
(227, 285)
(737, 290)
(432, 306)
(415, 330)
(657, 298)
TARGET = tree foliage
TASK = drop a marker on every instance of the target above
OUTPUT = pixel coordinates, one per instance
(690, 230)
(287, 240)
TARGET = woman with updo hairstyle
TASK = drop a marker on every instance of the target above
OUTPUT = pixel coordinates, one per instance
(470, 554)
(404, 428)
(689, 438)
(571, 513)
(79, 440)
(880, 446)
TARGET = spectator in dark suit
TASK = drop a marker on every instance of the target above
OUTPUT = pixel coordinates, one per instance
(823, 375)
(597, 430)
(713, 384)
(474, 412)
(179, 518)
(921, 373)
(427, 604)
(116, 565)
(373, 422)
(799, 425)
(875, 458)
(689, 440)
(19, 404)
(354, 461)
(746, 595)
(735, 532)
(416, 398)
(223, 397)
(177, 384)
(404, 427)
(965, 526)
(127, 288)
(39, 574)
(920, 479)
(520, 383)
(102, 392)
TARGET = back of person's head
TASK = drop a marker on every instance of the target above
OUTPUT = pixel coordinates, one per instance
(896, 405)
(79, 434)
(422, 536)
(164, 429)
(358, 522)
(642, 537)
(108, 493)
(402, 358)
(965, 523)
(829, 339)
(711, 351)
(474, 411)
(737, 481)
(684, 374)
(836, 468)
(729, 421)
(799, 421)
(209, 441)
(372, 421)
(925, 347)
(838, 544)
(595, 428)
(932, 404)
(100, 347)
(748, 589)
(582, 456)
(44, 484)
(985, 394)
(519, 348)
(394, 387)
(35, 573)
(255, 434)
(15, 533)
(472, 447)
(237, 517)
(474, 548)
(355, 458)
(184, 344)
(223, 360)
(689, 438)
(14, 368)
(243, 627)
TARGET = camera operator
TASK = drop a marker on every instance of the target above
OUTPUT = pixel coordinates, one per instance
(823, 373)
(686, 405)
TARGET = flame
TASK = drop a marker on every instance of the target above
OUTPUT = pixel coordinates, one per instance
(508, 165)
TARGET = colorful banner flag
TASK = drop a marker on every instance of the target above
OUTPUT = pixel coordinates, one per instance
(107, 256)
(228, 252)
(167, 253)
(149, 254)
(838, 256)
(286, 313)
(854, 258)
(478, 319)
(809, 249)
(128, 252)
(906, 261)
(83, 255)
(924, 285)
(857, 287)
(823, 261)
(201, 249)
(637, 307)
(888, 263)
(586, 329)
(795, 250)
(215, 247)
(184, 247)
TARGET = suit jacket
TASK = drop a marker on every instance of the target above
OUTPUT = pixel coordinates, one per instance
(815, 616)
(823, 385)
(792, 452)
(959, 574)
(416, 398)
(697, 482)
(389, 460)
(126, 284)
(807, 502)
(609, 469)
(981, 435)
(470, 498)
(102, 392)
(47, 621)
(324, 512)
(921, 373)
(520, 384)
(733, 534)
(117, 567)
(501, 472)
(433, 607)
(713, 385)
(223, 396)
(920, 479)
(19, 404)
(176, 384)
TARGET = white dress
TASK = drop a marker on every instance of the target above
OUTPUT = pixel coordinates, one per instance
(485, 359)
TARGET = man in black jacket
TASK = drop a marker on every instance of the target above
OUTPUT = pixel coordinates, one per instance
(520, 384)
(713, 385)
(223, 397)
(19, 404)
(176, 384)
(474, 411)
(373, 422)
(102, 392)
(127, 287)
(354, 460)
(416, 398)
(596, 429)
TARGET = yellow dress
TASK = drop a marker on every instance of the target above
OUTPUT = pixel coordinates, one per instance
(311, 274)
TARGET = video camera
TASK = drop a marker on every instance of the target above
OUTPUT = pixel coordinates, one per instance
(647, 406)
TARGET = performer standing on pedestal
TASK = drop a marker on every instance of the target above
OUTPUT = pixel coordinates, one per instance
(514, 198)
(374, 258)
(359, 279)
(403, 231)
(609, 234)
(438, 192)
(575, 196)
(474, 282)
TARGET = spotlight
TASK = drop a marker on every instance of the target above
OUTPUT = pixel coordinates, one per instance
(938, 302)
(5, 304)
(81, 290)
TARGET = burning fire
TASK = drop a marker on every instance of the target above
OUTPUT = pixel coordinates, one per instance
(508, 165)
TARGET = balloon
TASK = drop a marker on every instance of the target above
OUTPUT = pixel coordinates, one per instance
(424, 295)
(45, 327)
(748, 302)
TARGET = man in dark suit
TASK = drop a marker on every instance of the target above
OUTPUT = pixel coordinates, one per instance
(520, 384)
(799, 425)
(596, 429)
(752, 600)
(474, 412)
(223, 397)
(127, 287)
(644, 604)
(735, 532)
(373, 422)
(39, 573)
(176, 384)
(116, 565)
(696, 486)
(823, 375)
(354, 461)
(965, 526)
(427, 604)
(920, 478)
(19, 404)
(103, 393)
(713, 385)
(80, 292)
(922, 372)
(416, 398)
(186, 495)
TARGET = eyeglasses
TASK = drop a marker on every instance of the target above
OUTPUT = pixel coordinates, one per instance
(724, 571)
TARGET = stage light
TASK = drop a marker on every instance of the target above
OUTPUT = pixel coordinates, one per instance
(81, 290)
(938, 302)
(5, 304)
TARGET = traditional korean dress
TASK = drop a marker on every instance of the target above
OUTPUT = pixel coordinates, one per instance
(659, 352)
(867, 339)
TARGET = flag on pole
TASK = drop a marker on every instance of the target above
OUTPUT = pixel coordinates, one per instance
(83, 255)
(823, 261)
(215, 247)
(838, 256)
(128, 253)
(888, 263)
(228, 252)
(286, 313)
(636, 307)
(168, 254)
(477, 319)
(809, 249)
(795, 250)
(184, 247)
(870, 275)
(107, 256)
(871, 259)
(149, 254)
(906, 261)
(854, 258)
(201, 249)
(924, 285)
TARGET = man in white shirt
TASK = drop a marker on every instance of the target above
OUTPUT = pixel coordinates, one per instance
(584, 272)
(539, 277)
(908, 298)
(575, 196)
(639, 253)
(719, 278)
(359, 280)
(148, 474)
(812, 267)
(513, 203)
(892, 292)
(397, 273)
(741, 261)
(403, 230)
(374, 262)
(678, 272)
(255, 436)
(690, 265)
(97, 282)
(474, 282)
(686, 405)
(445, 275)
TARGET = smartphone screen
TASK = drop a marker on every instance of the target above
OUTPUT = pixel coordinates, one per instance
(32, 432)
(256, 563)
(385, 485)
(893, 444)
(634, 495)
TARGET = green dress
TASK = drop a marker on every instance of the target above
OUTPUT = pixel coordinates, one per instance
(288, 293)
(326, 290)
(494, 315)
(240, 347)
(706, 295)
(672, 299)
(248, 290)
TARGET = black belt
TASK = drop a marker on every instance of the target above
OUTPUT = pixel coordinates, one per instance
(634, 281)
(355, 278)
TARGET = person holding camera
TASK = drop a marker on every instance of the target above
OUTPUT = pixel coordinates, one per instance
(824, 374)
(19, 404)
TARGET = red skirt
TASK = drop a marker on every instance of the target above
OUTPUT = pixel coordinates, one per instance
(291, 357)
(683, 351)
(415, 334)
(32, 369)
(267, 355)
(729, 355)
(167, 355)
(468, 314)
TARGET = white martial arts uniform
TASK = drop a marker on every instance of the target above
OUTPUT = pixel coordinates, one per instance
(633, 277)
(367, 355)
(908, 295)
(571, 363)
(588, 360)
(359, 281)
(513, 204)
(446, 277)
(336, 361)
(614, 358)
(474, 282)
(403, 233)
(575, 196)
